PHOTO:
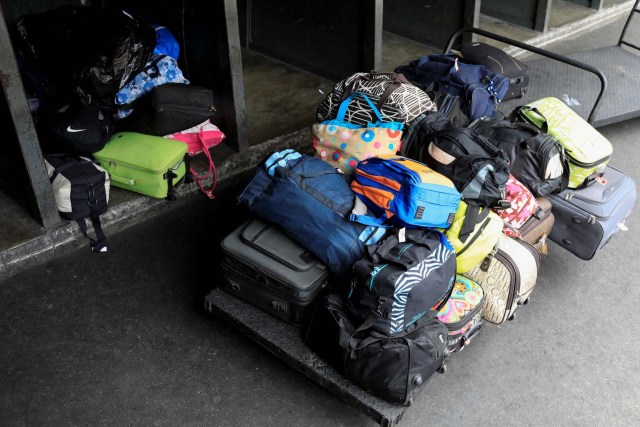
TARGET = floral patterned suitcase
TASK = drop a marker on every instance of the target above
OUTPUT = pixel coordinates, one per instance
(462, 313)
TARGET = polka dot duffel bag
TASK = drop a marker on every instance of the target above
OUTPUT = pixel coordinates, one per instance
(343, 144)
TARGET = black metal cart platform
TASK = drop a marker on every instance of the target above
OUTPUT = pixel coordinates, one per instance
(284, 341)
(601, 85)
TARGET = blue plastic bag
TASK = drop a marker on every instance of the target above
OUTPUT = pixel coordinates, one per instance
(159, 70)
(166, 43)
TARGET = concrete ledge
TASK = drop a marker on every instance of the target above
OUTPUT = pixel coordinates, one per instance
(67, 237)
(553, 35)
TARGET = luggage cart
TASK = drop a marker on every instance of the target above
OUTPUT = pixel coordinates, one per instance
(563, 77)
(285, 342)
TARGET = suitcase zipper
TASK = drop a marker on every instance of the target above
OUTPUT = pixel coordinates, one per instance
(190, 110)
(270, 276)
(365, 180)
(583, 164)
(591, 218)
(515, 273)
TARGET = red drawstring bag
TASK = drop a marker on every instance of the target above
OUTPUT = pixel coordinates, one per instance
(199, 139)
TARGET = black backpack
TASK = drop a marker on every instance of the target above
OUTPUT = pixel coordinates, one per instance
(401, 279)
(414, 134)
(83, 129)
(535, 159)
(392, 368)
(81, 190)
(478, 169)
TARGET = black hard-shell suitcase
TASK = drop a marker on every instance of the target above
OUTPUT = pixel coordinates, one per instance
(586, 218)
(498, 61)
(169, 108)
(266, 268)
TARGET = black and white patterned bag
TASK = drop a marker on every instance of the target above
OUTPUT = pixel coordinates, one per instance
(396, 98)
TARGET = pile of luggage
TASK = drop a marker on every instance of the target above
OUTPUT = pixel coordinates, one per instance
(422, 214)
(112, 107)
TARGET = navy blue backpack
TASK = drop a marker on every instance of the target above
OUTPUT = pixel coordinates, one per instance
(480, 89)
(308, 199)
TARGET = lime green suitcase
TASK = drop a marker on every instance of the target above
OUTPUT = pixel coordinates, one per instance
(587, 150)
(145, 164)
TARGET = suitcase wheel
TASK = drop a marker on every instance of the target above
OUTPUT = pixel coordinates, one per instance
(512, 317)
(442, 369)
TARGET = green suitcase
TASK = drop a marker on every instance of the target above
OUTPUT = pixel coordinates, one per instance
(588, 152)
(145, 164)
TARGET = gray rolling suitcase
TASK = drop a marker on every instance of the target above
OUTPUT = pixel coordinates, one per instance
(265, 267)
(586, 218)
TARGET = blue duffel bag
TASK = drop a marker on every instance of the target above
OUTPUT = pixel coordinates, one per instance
(311, 202)
(480, 89)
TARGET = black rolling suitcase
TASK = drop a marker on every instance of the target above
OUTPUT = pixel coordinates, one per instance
(263, 266)
(498, 61)
(586, 218)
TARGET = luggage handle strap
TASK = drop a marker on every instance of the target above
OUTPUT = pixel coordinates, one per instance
(472, 216)
(545, 124)
(590, 180)
(99, 244)
(212, 170)
(398, 80)
(411, 235)
(342, 111)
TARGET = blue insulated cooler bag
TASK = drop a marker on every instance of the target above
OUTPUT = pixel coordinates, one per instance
(406, 191)
(311, 202)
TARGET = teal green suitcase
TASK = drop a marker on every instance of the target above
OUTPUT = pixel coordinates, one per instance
(146, 164)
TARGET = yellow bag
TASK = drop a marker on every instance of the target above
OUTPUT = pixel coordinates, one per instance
(473, 249)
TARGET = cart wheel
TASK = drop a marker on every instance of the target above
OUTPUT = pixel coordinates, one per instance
(386, 422)
(512, 317)
(442, 369)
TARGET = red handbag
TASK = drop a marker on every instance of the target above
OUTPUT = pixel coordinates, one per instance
(523, 206)
(199, 139)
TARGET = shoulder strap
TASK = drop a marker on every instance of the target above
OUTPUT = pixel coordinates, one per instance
(99, 244)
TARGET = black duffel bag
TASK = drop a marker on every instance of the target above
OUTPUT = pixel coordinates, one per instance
(535, 159)
(478, 169)
(390, 368)
(401, 279)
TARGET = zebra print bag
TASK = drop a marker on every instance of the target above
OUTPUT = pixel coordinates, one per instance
(401, 279)
(396, 98)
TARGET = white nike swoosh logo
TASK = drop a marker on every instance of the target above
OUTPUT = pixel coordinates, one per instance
(74, 130)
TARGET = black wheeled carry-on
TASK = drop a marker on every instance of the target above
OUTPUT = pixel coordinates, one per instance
(266, 268)
(498, 61)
